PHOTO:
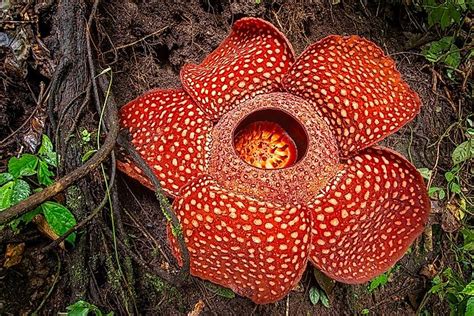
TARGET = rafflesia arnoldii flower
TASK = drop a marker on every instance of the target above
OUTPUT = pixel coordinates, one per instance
(270, 160)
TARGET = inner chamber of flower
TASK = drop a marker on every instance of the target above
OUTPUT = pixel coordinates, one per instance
(270, 139)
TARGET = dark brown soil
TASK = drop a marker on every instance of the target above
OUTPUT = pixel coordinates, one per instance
(146, 43)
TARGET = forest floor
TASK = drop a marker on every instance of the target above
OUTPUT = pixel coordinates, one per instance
(141, 45)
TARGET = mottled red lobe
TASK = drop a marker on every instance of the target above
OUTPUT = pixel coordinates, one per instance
(169, 131)
(258, 249)
(356, 88)
(368, 216)
(252, 60)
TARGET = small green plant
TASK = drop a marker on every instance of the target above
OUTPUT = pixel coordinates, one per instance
(449, 16)
(459, 295)
(34, 170)
(83, 308)
(85, 136)
(463, 153)
(444, 51)
(382, 279)
(468, 244)
(446, 13)
(317, 295)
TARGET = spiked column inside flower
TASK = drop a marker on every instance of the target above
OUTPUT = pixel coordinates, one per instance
(269, 160)
(265, 145)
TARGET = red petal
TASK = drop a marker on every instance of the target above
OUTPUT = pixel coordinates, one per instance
(258, 249)
(370, 215)
(169, 131)
(356, 88)
(251, 60)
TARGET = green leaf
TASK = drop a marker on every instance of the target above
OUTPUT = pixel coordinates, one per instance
(26, 218)
(88, 154)
(379, 281)
(444, 13)
(220, 290)
(453, 57)
(6, 192)
(435, 50)
(23, 166)
(468, 246)
(469, 307)
(449, 176)
(82, 308)
(46, 151)
(438, 288)
(5, 177)
(44, 174)
(225, 292)
(314, 295)
(468, 236)
(436, 193)
(324, 299)
(455, 187)
(59, 218)
(21, 190)
(365, 311)
(469, 289)
(425, 173)
(85, 136)
(463, 152)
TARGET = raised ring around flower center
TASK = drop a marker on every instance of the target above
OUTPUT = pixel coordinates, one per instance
(273, 147)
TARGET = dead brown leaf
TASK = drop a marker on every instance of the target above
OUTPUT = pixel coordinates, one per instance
(44, 228)
(13, 254)
(197, 309)
(450, 218)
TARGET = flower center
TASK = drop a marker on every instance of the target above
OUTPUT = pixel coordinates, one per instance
(270, 139)
(265, 145)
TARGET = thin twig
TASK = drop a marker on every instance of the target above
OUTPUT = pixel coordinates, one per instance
(90, 59)
(151, 269)
(56, 279)
(139, 40)
(39, 103)
(164, 203)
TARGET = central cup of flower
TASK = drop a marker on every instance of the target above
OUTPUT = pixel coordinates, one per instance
(270, 139)
(262, 148)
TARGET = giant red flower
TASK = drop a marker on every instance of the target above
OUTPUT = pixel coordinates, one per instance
(270, 160)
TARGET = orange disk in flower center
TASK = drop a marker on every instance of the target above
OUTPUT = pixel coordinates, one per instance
(265, 145)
